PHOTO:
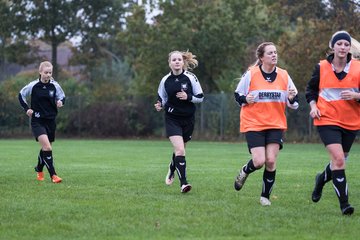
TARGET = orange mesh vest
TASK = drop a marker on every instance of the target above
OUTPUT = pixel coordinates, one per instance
(334, 110)
(268, 111)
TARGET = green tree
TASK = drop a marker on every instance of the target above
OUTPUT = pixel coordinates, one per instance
(306, 39)
(49, 20)
(98, 24)
(221, 34)
(12, 48)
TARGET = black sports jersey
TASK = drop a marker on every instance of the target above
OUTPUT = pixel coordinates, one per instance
(171, 84)
(43, 98)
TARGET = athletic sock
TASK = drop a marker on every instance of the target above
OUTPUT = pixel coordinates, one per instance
(172, 164)
(249, 167)
(48, 160)
(340, 186)
(268, 183)
(326, 175)
(180, 164)
(40, 165)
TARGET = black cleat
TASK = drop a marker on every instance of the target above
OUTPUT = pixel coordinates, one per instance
(347, 210)
(186, 188)
(240, 180)
(316, 194)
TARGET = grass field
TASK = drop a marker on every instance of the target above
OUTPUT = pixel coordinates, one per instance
(114, 189)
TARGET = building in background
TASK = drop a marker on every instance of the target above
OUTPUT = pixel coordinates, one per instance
(42, 51)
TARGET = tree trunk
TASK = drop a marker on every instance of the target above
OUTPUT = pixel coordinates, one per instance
(54, 46)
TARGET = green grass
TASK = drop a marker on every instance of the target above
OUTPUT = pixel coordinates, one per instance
(114, 189)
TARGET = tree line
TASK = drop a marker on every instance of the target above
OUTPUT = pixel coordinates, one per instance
(124, 53)
(118, 44)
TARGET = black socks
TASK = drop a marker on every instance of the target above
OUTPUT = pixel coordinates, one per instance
(326, 175)
(172, 164)
(268, 183)
(40, 165)
(249, 167)
(48, 161)
(180, 165)
(340, 186)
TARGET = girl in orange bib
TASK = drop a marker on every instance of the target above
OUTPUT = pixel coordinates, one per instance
(333, 95)
(263, 93)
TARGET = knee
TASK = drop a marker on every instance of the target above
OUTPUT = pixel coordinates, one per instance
(338, 162)
(271, 163)
(258, 162)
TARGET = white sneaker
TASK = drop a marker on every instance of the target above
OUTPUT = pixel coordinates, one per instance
(185, 188)
(265, 201)
(240, 180)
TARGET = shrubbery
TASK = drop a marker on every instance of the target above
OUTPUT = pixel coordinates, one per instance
(99, 110)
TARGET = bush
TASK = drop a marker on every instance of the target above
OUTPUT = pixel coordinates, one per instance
(13, 120)
(112, 119)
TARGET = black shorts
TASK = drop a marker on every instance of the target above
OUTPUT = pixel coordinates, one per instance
(179, 126)
(43, 126)
(263, 138)
(334, 134)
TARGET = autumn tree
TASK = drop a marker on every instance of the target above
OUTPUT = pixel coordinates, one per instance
(306, 40)
(221, 34)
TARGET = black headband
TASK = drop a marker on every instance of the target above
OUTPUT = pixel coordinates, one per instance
(340, 36)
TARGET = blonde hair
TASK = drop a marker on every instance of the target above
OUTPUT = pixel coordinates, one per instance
(189, 59)
(44, 64)
(260, 52)
(355, 49)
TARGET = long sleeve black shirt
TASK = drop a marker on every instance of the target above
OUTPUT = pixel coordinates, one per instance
(171, 84)
(44, 97)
